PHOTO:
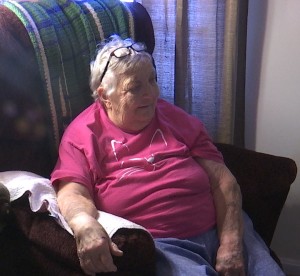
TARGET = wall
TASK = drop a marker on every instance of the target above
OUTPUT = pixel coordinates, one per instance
(273, 104)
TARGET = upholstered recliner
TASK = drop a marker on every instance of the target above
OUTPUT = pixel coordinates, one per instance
(43, 85)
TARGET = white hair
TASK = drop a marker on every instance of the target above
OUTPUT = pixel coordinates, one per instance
(117, 66)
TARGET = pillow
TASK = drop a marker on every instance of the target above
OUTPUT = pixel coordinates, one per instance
(4, 205)
(42, 198)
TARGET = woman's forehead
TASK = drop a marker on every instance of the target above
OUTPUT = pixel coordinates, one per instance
(145, 66)
(138, 73)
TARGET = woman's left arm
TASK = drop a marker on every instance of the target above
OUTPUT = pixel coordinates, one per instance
(228, 203)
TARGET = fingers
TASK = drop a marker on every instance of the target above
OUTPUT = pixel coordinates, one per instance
(230, 263)
(232, 273)
(102, 263)
(114, 249)
(234, 269)
(98, 258)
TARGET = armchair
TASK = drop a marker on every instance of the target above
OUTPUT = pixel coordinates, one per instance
(34, 112)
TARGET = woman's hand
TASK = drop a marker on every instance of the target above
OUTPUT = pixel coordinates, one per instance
(230, 261)
(94, 247)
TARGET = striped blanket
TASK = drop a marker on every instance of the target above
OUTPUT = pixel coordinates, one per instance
(65, 34)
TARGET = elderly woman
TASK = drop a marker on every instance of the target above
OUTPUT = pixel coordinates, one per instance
(136, 156)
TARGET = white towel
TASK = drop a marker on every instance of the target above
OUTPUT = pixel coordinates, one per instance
(42, 198)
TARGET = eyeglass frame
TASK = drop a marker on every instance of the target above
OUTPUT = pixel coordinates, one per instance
(129, 52)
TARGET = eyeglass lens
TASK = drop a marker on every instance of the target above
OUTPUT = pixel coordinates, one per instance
(123, 52)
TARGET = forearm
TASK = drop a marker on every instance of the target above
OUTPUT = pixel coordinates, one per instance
(75, 205)
(227, 200)
(228, 204)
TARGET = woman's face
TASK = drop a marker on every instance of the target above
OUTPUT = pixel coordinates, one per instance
(132, 106)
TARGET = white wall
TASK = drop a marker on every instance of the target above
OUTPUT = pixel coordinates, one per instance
(273, 104)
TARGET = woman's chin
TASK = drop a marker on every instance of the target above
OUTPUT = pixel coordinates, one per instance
(146, 111)
(142, 122)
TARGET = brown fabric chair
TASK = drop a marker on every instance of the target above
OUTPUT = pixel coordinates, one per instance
(33, 244)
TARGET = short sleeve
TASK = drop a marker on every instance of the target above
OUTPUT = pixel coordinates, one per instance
(72, 166)
(189, 130)
(203, 145)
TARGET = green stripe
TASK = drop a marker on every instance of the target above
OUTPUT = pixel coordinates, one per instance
(69, 36)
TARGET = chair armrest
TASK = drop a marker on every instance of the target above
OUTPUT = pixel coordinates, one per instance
(48, 249)
(265, 182)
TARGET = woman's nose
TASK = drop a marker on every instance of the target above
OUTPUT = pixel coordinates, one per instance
(149, 91)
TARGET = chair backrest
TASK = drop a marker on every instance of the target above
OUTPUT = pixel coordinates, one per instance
(45, 51)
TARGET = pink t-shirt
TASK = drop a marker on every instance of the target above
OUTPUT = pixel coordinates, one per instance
(151, 177)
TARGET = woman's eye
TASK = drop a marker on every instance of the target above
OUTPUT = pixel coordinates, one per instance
(135, 89)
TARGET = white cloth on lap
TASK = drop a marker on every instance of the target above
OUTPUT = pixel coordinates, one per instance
(42, 198)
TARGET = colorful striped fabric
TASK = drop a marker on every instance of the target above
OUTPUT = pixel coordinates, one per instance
(65, 34)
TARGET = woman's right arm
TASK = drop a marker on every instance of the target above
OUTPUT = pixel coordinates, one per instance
(94, 247)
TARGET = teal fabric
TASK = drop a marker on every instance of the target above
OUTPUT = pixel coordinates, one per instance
(65, 34)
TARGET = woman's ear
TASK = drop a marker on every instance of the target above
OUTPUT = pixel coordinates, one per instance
(103, 97)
